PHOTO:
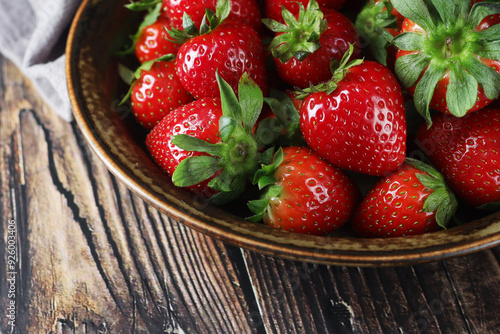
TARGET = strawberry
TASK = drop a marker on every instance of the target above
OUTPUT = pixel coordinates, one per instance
(306, 43)
(303, 193)
(157, 91)
(273, 8)
(357, 120)
(154, 41)
(222, 45)
(466, 151)
(412, 200)
(246, 11)
(448, 54)
(209, 145)
(150, 40)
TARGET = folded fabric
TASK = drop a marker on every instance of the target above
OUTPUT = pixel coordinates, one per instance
(33, 35)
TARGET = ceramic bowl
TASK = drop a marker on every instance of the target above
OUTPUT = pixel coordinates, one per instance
(95, 89)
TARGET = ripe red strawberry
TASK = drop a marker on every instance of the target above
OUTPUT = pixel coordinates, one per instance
(448, 58)
(157, 91)
(413, 200)
(246, 11)
(151, 39)
(154, 41)
(466, 151)
(225, 46)
(305, 46)
(273, 8)
(209, 145)
(357, 120)
(303, 193)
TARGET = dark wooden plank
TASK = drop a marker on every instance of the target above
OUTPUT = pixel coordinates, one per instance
(458, 295)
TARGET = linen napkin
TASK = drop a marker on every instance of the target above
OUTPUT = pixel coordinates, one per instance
(33, 36)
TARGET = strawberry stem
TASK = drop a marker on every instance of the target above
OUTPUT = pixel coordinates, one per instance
(298, 37)
(236, 158)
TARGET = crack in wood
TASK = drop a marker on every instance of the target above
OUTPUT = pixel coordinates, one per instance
(70, 198)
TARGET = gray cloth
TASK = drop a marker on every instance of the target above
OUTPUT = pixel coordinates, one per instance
(33, 36)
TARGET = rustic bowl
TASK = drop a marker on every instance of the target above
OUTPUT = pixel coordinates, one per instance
(95, 89)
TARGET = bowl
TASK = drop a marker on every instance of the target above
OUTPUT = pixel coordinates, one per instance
(95, 89)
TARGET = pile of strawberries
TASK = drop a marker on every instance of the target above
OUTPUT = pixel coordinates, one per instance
(382, 121)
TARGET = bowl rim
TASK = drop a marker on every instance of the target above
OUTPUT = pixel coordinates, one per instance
(472, 237)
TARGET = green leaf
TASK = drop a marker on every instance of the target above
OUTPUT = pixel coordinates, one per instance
(425, 90)
(274, 26)
(417, 11)
(257, 206)
(485, 75)
(408, 68)
(489, 50)
(194, 170)
(188, 25)
(268, 131)
(142, 5)
(445, 211)
(283, 108)
(223, 9)
(221, 182)
(230, 104)
(461, 91)
(493, 206)
(222, 198)
(266, 157)
(435, 199)
(379, 47)
(441, 200)
(226, 127)
(492, 34)
(410, 41)
(452, 11)
(371, 24)
(424, 167)
(237, 187)
(430, 181)
(125, 73)
(251, 101)
(190, 143)
(150, 18)
(267, 170)
(480, 10)
(210, 18)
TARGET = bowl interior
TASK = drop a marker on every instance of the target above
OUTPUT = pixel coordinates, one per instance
(99, 29)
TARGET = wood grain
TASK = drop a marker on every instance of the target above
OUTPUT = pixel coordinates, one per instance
(92, 257)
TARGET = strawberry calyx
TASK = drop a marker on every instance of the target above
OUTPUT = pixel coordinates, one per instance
(264, 179)
(153, 8)
(237, 156)
(372, 24)
(448, 44)
(339, 70)
(441, 200)
(297, 37)
(287, 119)
(129, 76)
(209, 22)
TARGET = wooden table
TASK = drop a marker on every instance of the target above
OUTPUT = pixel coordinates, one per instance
(91, 257)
